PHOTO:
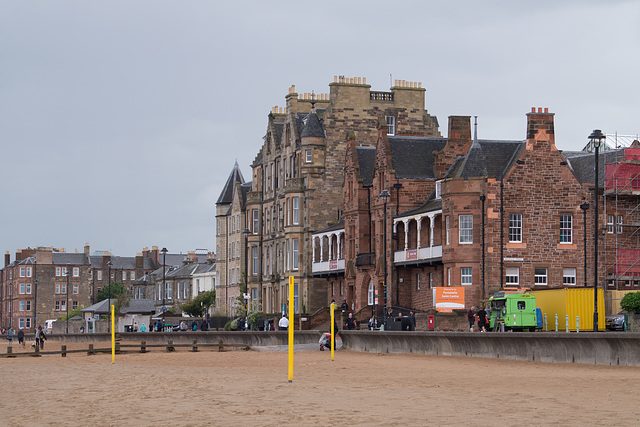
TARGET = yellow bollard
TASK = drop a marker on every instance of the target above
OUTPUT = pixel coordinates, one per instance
(290, 330)
(113, 334)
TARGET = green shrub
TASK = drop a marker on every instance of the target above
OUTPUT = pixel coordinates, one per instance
(631, 302)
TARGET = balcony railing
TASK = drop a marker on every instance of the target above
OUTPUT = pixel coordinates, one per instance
(334, 265)
(422, 254)
(381, 96)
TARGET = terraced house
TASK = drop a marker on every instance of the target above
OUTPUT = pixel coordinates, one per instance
(297, 180)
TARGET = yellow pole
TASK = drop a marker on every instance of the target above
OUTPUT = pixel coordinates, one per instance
(113, 334)
(333, 331)
(291, 319)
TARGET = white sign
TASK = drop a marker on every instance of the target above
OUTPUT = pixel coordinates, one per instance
(247, 296)
(514, 259)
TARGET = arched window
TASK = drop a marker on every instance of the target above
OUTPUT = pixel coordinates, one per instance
(371, 293)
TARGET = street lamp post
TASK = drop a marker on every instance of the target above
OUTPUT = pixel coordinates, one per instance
(246, 272)
(66, 306)
(164, 288)
(109, 264)
(596, 137)
(384, 195)
(35, 304)
(584, 206)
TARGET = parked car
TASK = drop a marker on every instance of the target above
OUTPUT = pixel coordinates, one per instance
(615, 322)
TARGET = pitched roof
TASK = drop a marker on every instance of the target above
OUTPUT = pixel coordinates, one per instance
(337, 226)
(71, 258)
(139, 306)
(226, 196)
(428, 206)
(412, 157)
(583, 164)
(312, 126)
(487, 158)
(367, 163)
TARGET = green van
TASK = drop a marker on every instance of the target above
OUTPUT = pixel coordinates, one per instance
(516, 311)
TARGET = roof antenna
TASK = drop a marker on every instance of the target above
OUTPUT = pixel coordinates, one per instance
(475, 130)
(390, 80)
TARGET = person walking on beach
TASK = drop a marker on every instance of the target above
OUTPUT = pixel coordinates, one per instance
(40, 337)
(471, 317)
(21, 337)
(10, 335)
(283, 324)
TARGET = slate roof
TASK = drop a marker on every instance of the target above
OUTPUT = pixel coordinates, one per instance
(69, 258)
(121, 262)
(412, 157)
(338, 226)
(244, 189)
(428, 206)
(99, 307)
(583, 164)
(139, 306)
(366, 162)
(226, 196)
(278, 128)
(487, 158)
(312, 126)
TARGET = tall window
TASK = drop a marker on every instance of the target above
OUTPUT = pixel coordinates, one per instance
(169, 290)
(254, 261)
(465, 276)
(308, 156)
(569, 276)
(515, 228)
(619, 224)
(540, 278)
(256, 221)
(76, 288)
(513, 276)
(296, 211)
(99, 275)
(610, 224)
(132, 276)
(124, 275)
(446, 220)
(217, 227)
(391, 125)
(418, 282)
(370, 294)
(22, 288)
(295, 253)
(28, 288)
(76, 271)
(465, 223)
(566, 229)
(23, 272)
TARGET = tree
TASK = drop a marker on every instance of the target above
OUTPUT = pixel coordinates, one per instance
(116, 289)
(76, 312)
(631, 302)
(200, 304)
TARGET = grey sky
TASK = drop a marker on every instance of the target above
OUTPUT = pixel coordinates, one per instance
(121, 120)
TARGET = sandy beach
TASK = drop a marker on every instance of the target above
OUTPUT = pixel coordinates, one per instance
(251, 388)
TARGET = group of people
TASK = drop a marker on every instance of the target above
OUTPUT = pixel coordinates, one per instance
(40, 336)
(480, 316)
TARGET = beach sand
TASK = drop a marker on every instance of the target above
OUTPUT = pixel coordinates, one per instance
(251, 388)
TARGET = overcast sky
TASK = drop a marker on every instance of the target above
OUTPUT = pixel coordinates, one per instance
(121, 120)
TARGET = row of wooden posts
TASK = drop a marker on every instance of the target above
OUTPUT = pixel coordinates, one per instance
(143, 346)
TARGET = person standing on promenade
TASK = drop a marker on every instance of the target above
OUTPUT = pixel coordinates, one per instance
(283, 324)
(143, 328)
(10, 335)
(344, 306)
(471, 317)
(183, 326)
(482, 320)
(350, 322)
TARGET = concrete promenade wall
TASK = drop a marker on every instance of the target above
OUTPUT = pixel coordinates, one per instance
(603, 348)
(250, 338)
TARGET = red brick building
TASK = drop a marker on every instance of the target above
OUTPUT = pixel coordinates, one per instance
(478, 215)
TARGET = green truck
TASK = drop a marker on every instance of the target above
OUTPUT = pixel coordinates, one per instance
(516, 311)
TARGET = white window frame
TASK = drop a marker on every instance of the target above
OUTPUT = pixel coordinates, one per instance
(569, 276)
(124, 275)
(308, 156)
(132, 275)
(254, 260)
(76, 271)
(512, 276)
(99, 275)
(466, 276)
(28, 289)
(296, 210)
(21, 305)
(294, 250)
(391, 125)
(619, 224)
(76, 288)
(23, 272)
(22, 288)
(541, 276)
(566, 229)
(370, 293)
(27, 305)
(610, 224)
(169, 290)
(418, 281)
(438, 190)
(256, 221)
(446, 220)
(515, 228)
(58, 271)
(465, 229)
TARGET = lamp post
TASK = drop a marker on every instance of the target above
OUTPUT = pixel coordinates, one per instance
(584, 206)
(66, 306)
(384, 195)
(109, 264)
(482, 200)
(596, 137)
(35, 304)
(164, 289)
(246, 271)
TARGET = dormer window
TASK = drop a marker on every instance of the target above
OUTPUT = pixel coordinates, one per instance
(391, 125)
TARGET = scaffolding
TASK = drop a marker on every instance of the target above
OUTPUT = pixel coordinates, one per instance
(622, 212)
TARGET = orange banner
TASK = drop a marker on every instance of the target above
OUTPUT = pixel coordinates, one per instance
(446, 299)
